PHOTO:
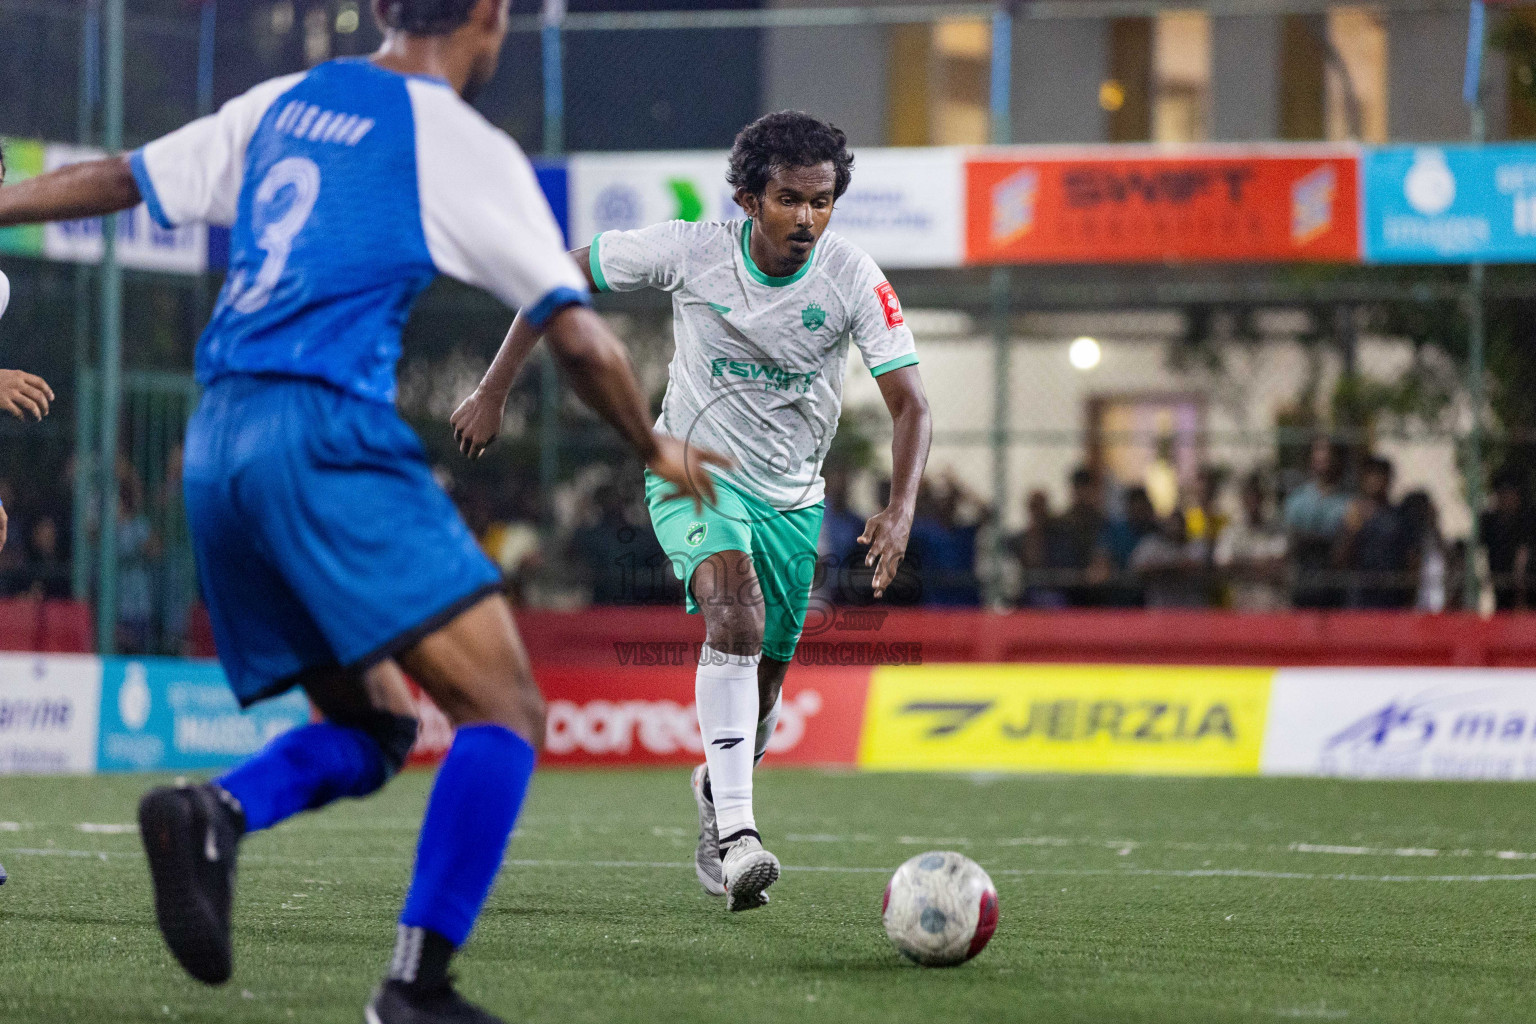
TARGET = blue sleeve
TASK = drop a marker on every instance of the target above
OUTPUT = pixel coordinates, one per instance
(147, 189)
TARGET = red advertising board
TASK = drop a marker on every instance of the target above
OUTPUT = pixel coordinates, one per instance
(643, 715)
(1154, 208)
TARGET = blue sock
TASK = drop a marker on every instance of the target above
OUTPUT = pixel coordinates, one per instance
(303, 769)
(474, 805)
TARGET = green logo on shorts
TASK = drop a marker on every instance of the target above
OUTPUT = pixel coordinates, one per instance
(813, 316)
(696, 534)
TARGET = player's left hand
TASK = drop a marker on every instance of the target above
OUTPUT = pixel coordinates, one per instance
(4, 526)
(886, 534)
(477, 421)
(24, 395)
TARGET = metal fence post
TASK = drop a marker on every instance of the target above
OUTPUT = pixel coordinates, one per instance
(1473, 585)
(554, 145)
(111, 342)
(1001, 124)
(89, 88)
(554, 77)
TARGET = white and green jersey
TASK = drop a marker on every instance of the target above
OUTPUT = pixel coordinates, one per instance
(758, 369)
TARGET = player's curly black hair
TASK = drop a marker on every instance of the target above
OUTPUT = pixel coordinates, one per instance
(425, 17)
(789, 138)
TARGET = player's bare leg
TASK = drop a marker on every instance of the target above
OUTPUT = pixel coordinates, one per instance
(727, 694)
(476, 670)
(191, 834)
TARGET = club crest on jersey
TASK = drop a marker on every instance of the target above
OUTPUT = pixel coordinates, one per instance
(696, 534)
(813, 316)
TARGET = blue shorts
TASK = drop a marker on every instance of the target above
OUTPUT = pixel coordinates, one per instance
(321, 537)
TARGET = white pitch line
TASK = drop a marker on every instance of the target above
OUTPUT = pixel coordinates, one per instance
(842, 869)
(1123, 847)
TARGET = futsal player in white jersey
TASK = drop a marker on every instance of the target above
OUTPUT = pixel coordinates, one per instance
(764, 310)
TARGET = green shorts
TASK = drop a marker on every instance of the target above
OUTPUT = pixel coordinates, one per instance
(782, 546)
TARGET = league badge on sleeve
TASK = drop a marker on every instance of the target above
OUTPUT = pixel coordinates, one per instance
(889, 305)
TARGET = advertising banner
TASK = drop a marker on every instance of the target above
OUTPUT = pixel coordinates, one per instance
(903, 208)
(161, 714)
(641, 715)
(1102, 206)
(48, 711)
(1403, 723)
(1450, 204)
(1140, 719)
(141, 243)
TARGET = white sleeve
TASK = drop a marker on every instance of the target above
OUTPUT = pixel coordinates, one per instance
(5, 292)
(486, 221)
(650, 257)
(193, 175)
(878, 327)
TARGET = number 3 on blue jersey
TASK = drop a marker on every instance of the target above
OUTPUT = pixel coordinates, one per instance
(301, 178)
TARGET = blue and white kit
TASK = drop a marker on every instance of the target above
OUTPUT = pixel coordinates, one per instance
(321, 537)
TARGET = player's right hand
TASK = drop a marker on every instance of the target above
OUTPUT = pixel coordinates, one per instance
(24, 395)
(477, 421)
(683, 466)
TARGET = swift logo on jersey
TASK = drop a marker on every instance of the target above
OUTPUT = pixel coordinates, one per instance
(775, 375)
(307, 121)
(889, 305)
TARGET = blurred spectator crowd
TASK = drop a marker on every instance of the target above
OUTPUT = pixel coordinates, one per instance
(1321, 542)
(1339, 535)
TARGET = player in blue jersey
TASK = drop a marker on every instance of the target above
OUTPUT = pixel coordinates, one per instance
(328, 557)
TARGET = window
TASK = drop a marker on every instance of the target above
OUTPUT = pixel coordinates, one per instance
(962, 69)
(1357, 75)
(939, 83)
(1181, 63)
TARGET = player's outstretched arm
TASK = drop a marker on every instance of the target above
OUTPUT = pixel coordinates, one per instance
(598, 369)
(477, 420)
(887, 531)
(89, 189)
(24, 395)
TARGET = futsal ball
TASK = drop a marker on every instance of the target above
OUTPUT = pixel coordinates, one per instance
(940, 909)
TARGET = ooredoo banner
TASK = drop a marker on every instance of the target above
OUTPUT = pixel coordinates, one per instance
(644, 715)
(1109, 206)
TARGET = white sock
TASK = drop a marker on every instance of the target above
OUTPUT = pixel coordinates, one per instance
(725, 690)
(766, 726)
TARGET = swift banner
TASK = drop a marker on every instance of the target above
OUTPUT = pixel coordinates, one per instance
(1141, 207)
(1139, 719)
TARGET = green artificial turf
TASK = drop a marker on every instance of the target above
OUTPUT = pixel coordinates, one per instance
(1122, 899)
